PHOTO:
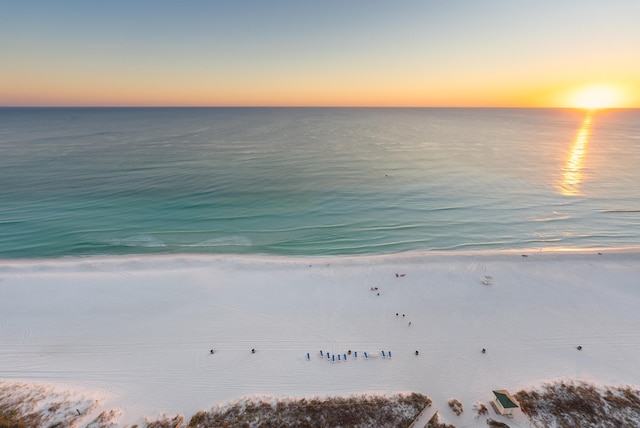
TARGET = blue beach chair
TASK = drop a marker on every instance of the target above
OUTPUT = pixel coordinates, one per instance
(333, 358)
(366, 357)
(338, 357)
(389, 352)
(321, 353)
(345, 356)
(382, 353)
(308, 356)
(355, 354)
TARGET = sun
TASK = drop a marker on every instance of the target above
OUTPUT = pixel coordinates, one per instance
(596, 97)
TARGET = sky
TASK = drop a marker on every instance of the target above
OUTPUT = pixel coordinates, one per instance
(432, 53)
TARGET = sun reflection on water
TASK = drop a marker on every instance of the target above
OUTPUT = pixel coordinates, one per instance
(572, 174)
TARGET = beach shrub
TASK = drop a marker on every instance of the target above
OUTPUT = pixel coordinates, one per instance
(496, 424)
(434, 422)
(456, 406)
(28, 405)
(103, 420)
(166, 422)
(198, 419)
(11, 419)
(581, 405)
(480, 408)
(358, 411)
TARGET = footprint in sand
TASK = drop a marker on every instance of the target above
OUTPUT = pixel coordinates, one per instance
(26, 335)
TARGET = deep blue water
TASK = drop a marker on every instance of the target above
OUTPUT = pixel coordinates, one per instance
(315, 181)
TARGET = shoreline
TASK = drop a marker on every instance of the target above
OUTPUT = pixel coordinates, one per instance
(138, 329)
(198, 258)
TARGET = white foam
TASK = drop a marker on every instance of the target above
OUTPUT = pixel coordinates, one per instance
(138, 241)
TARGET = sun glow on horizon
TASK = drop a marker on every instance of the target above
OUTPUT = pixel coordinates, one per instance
(597, 97)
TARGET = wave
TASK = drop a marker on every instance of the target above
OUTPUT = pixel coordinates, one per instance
(236, 241)
(138, 241)
(11, 221)
(546, 219)
(621, 211)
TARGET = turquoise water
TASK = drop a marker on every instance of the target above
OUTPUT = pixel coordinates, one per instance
(315, 181)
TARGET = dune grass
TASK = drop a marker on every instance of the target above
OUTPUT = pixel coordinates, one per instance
(23, 405)
(434, 422)
(560, 404)
(358, 411)
(456, 406)
(581, 404)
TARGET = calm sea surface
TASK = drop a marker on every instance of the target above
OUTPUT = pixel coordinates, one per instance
(315, 181)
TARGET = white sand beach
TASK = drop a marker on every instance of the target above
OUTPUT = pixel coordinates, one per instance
(136, 332)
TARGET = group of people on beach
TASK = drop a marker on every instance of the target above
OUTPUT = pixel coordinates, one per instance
(211, 351)
(403, 316)
(398, 275)
(253, 350)
(484, 351)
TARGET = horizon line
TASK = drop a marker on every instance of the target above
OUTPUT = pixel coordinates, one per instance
(313, 106)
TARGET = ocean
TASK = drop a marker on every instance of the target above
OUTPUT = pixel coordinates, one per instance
(315, 181)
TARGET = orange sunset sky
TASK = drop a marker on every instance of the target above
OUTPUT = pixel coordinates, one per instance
(493, 53)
